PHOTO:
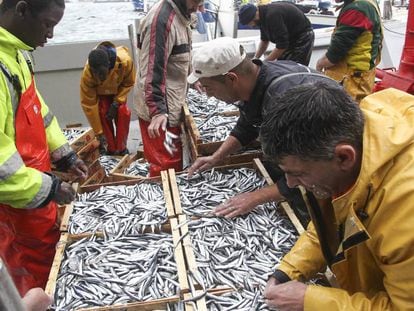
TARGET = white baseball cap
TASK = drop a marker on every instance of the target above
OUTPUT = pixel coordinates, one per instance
(215, 57)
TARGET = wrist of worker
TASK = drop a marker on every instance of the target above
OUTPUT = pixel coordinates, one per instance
(280, 276)
(54, 188)
(64, 163)
(159, 115)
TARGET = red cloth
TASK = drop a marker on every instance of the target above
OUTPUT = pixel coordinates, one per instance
(155, 152)
(29, 236)
(117, 142)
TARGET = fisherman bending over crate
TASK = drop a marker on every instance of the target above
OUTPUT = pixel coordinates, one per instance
(360, 162)
(226, 73)
(106, 80)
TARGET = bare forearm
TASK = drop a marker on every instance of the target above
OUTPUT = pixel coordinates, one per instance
(262, 48)
(230, 145)
(275, 54)
(268, 194)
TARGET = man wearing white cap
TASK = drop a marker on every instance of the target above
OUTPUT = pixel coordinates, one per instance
(226, 73)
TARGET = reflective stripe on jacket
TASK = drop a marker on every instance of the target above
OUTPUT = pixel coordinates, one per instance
(119, 82)
(20, 186)
(375, 258)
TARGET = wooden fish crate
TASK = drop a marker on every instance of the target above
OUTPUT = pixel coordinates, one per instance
(90, 152)
(183, 219)
(258, 166)
(90, 186)
(199, 148)
(118, 172)
(157, 304)
(82, 140)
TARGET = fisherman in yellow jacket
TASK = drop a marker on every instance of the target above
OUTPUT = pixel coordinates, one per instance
(359, 162)
(106, 80)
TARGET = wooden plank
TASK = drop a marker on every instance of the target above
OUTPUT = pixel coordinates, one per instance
(54, 271)
(65, 219)
(118, 172)
(82, 140)
(189, 306)
(88, 148)
(87, 187)
(188, 248)
(192, 127)
(122, 164)
(91, 157)
(158, 304)
(201, 303)
(167, 194)
(179, 257)
(175, 192)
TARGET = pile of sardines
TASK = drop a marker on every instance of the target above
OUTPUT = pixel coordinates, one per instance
(240, 253)
(73, 133)
(138, 167)
(215, 128)
(200, 105)
(102, 271)
(209, 116)
(119, 210)
(109, 162)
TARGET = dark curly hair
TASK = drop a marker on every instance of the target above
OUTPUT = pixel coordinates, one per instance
(309, 120)
(98, 58)
(36, 6)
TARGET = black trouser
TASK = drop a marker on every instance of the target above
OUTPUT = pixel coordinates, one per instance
(300, 49)
(292, 195)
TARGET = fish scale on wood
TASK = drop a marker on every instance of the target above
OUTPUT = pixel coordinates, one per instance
(99, 272)
(119, 210)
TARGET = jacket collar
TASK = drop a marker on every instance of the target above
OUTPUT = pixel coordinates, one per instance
(180, 9)
(9, 43)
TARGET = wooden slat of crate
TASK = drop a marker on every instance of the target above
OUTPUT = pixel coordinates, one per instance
(57, 260)
(118, 172)
(167, 194)
(66, 211)
(175, 192)
(95, 178)
(188, 247)
(179, 257)
(66, 239)
(188, 306)
(159, 304)
(90, 152)
(192, 128)
(82, 140)
(189, 147)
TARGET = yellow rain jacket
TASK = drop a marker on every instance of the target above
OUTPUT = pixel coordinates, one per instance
(119, 82)
(21, 186)
(374, 263)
